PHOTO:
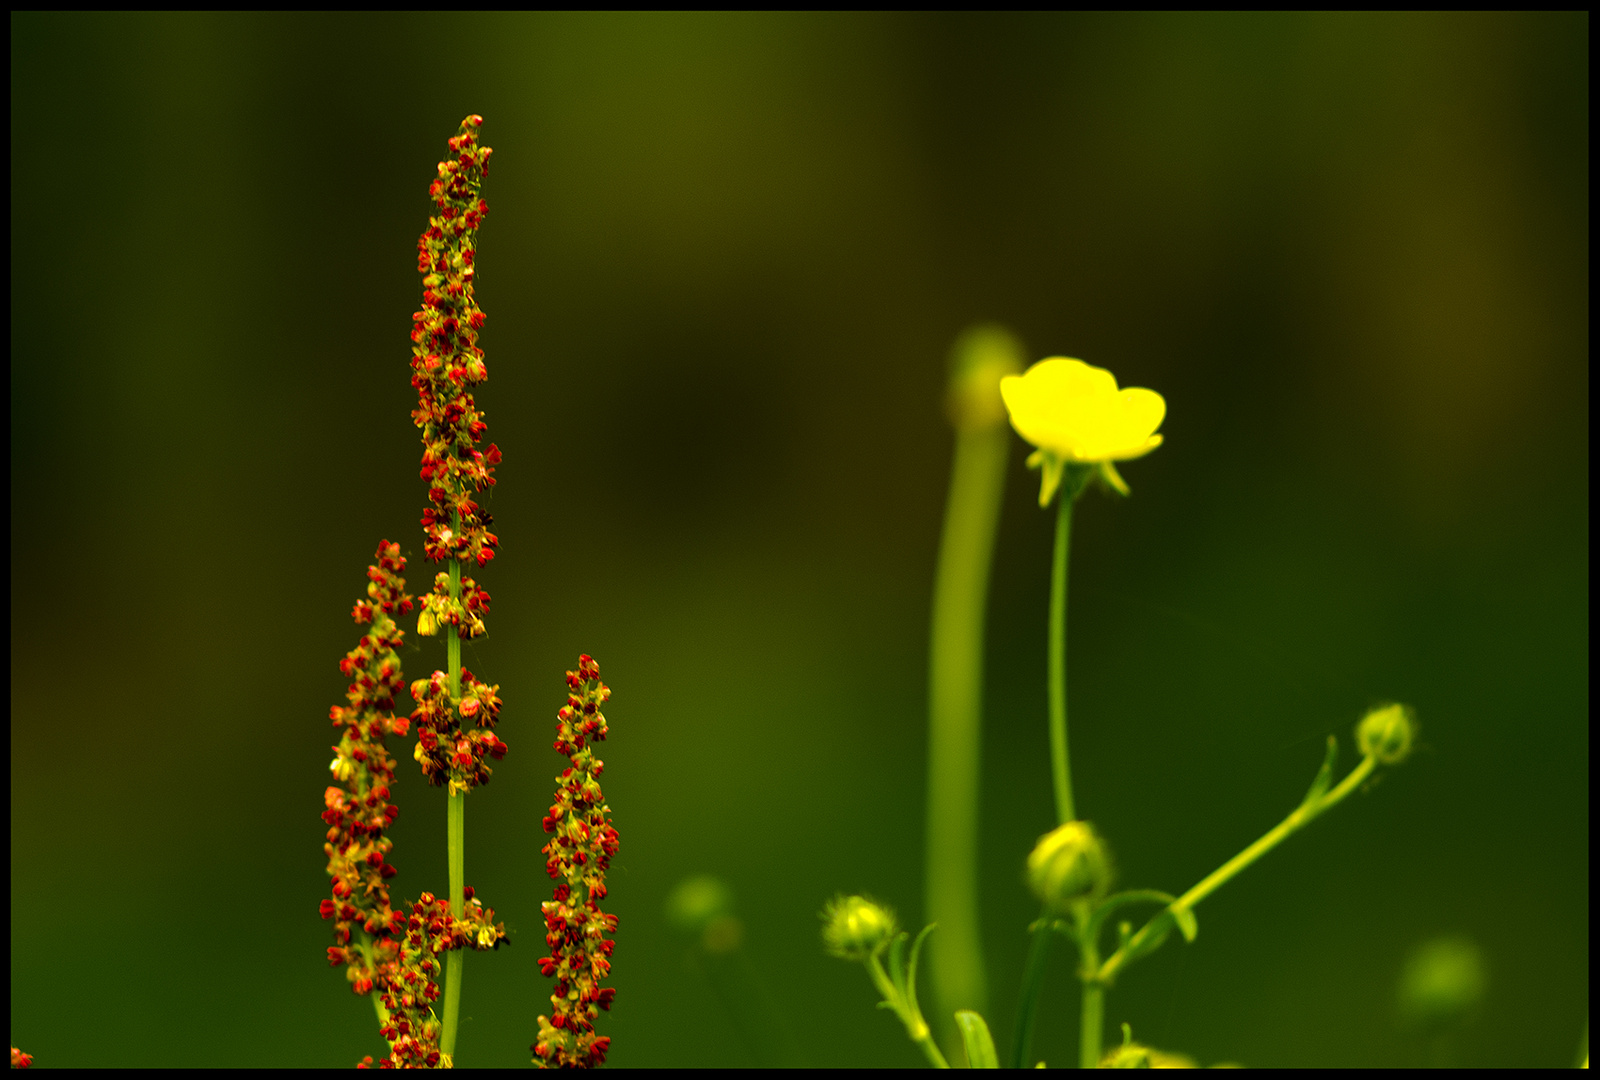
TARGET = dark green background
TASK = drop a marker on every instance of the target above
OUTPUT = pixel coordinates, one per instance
(725, 261)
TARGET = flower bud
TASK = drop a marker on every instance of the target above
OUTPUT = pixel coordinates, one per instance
(981, 358)
(1442, 981)
(1069, 863)
(1387, 733)
(855, 927)
(425, 623)
(698, 902)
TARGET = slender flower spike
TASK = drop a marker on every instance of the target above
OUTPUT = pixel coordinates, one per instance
(446, 362)
(1075, 415)
(359, 812)
(577, 856)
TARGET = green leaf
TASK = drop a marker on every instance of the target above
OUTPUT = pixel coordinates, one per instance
(975, 1037)
(910, 990)
(1319, 786)
(1186, 922)
(897, 974)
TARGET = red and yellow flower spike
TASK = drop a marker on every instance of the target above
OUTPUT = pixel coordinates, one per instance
(446, 362)
(577, 856)
(359, 813)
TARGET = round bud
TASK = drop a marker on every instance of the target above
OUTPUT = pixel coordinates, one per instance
(698, 902)
(981, 358)
(1069, 863)
(1387, 733)
(854, 927)
(1443, 979)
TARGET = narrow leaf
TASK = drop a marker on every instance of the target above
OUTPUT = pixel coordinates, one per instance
(1187, 925)
(1324, 780)
(975, 1037)
(911, 972)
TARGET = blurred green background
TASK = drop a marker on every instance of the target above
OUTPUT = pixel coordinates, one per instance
(726, 258)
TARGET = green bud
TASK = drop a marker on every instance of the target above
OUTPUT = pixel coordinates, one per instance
(981, 358)
(703, 907)
(1387, 733)
(854, 927)
(1132, 1055)
(1069, 863)
(1442, 981)
(697, 902)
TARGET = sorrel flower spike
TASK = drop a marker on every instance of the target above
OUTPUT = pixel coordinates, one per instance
(360, 813)
(577, 856)
(450, 753)
(408, 985)
(446, 362)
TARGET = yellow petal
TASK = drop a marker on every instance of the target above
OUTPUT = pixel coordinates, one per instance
(1075, 411)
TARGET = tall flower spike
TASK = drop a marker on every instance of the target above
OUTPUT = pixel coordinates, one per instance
(446, 362)
(577, 857)
(359, 812)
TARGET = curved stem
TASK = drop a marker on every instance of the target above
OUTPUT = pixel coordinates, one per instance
(909, 1015)
(1028, 1001)
(1060, 768)
(955, 715)
(1302, 816)
(456, 839)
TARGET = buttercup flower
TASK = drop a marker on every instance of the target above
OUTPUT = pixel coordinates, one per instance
(1075, 415)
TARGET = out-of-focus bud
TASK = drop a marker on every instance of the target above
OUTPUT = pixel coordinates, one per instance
(702, 907)
(341, 768)
(854, 927)
(1132, 1055)
(1387, 733)
(981, 358)
(425, 623)
(1069, 863)
(1442, 981)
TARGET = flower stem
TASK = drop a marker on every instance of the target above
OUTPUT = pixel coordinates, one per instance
(1094, 1005)
(955, 715)
(455, 821)
(909, 1015)
(1302, 816)
(1060, 767)
(1032, 982)
(372, 962)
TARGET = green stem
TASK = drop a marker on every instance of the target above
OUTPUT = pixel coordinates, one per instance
(377, 998)
(456, 840)
(1094, 1006)
(955, 715)
(1060, 768)
(1032, 981)
(1302, 816)
(910, 1016)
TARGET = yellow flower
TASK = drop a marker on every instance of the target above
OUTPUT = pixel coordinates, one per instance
(1074, 413)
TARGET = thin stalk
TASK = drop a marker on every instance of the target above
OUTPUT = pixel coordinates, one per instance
(455, 820)
(1302, 816)
(377, 998)
(955, 718)
(1060, 767)
(1092, 1019)
(1032, 982)
(916, 1027)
